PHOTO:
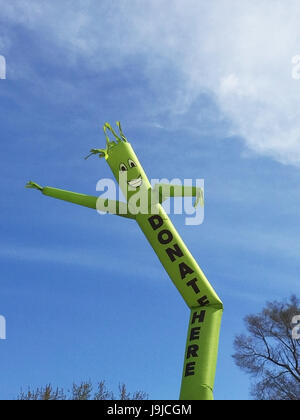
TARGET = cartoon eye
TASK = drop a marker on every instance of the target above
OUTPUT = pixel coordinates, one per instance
(131, 163)
(123, 167)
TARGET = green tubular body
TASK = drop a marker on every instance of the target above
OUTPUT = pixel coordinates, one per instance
(205, 305)
(178, 262)
(203, 333)
(201, 353)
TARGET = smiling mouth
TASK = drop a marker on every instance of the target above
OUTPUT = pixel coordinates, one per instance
(135, 183)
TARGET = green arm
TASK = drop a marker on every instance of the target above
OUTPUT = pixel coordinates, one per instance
(100, 204)
(165, 191)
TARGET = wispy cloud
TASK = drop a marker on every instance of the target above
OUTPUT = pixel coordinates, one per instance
(88, 259)
(240, 52)
(274, 243)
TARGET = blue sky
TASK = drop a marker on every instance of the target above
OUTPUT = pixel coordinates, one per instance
(84, 295)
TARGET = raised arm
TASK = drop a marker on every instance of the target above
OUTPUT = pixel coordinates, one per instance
(104, 205)
(165, 191)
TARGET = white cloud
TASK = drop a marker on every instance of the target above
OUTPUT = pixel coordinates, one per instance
(229, 85)
(89, 259)
(240, 51)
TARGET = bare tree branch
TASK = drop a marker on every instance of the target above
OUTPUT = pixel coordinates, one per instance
(82, 392)
(269, 353)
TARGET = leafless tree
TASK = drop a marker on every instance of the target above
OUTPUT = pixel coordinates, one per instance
(85, 391)
(269, 352)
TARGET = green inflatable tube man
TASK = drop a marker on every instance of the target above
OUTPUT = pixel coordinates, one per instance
(144, 204)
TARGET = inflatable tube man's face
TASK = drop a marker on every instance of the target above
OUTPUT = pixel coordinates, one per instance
(127, 169)
(124, 163)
